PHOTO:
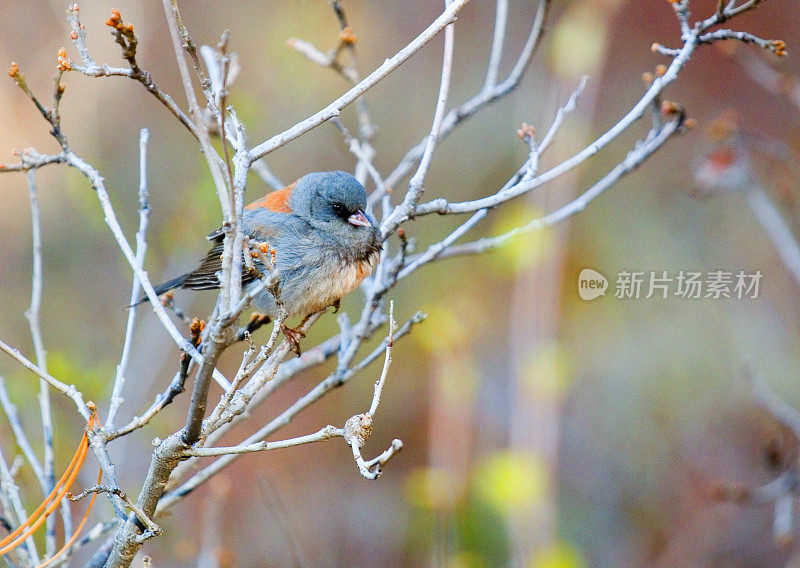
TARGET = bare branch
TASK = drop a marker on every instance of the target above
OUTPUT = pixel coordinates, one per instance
(30, 159)
(457, 115)
(141, 249)
(92, 69)
(331, 382)
(634, 158)
(213, 159)
(367, 83)
(321, 435)
(777, 46)
(48, 478)
(373, 468)
(387, 360)
(12, 503)
(496, 55)
(153, 528)
(415, 186)
(67, 390)
(98, 183)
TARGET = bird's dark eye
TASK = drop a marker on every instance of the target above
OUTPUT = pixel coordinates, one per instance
(338, 208)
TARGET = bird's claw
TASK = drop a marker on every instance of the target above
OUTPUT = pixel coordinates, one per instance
(294, 336)
(336, 305)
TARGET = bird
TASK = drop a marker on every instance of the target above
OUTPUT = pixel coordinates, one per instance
(323, 245)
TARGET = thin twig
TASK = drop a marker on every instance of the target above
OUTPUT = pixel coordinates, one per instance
(496, 54)
(331, 382)
(321, 435)
(33, 315)
(12, 503)
(387, 360)
(67, 390)
(92, 69)
(416, 185)
(147, 521)
(632, 161)
(367, 83)
(141, 248)
(457, 115)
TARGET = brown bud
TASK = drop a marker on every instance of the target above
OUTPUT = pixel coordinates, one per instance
(195, 329)
(779, 47)
(690, 123)
(73, 36)
(347, 37)
(64, 64)
(115, 20)
(13, 71)
(648, 77)
(526, 131)
(655, 47)
(661, 69)
(669, 108)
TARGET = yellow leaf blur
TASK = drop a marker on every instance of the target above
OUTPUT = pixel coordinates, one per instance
(557, 555)
(546, 372)
(432, 488)
(526, 249)
(512, 481)
(579, 43)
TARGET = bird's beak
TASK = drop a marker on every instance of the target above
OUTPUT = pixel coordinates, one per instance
(359, 219)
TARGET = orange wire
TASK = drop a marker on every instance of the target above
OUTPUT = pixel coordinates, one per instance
(11, 541)
(53, 493)
(49, 508)
(77, 531)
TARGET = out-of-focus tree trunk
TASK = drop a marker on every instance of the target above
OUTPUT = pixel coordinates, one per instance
(538, 383)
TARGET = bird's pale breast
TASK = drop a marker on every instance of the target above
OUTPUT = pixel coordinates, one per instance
(338, 283)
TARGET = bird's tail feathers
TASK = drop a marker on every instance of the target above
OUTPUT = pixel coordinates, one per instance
(163, 288)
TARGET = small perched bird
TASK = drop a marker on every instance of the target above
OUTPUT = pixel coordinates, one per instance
(324, 245)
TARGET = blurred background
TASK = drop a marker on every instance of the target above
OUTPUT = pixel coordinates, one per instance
(540, 430)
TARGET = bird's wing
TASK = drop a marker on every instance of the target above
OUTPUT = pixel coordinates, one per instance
(257, 227)
(204, 277)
